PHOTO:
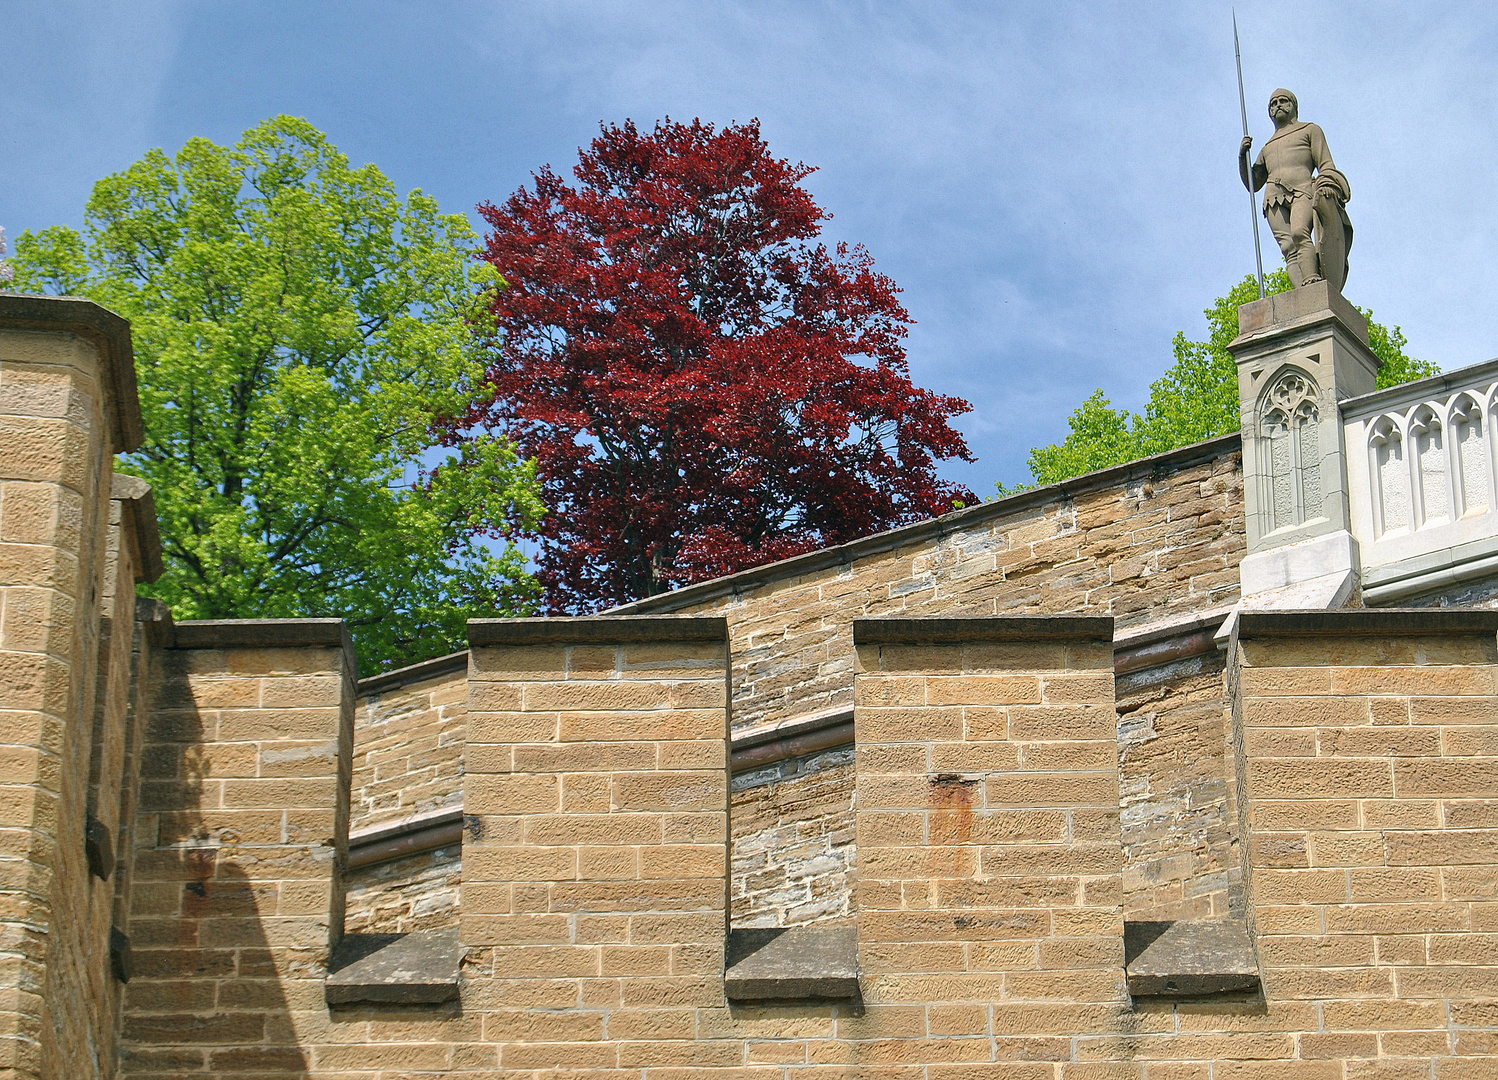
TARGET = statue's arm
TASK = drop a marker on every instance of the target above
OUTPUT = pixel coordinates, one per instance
(1319, 152)
(1253, 176)
(1329, 179)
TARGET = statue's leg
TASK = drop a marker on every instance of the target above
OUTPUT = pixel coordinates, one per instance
(1331, 246)
(1302, 218)
(1279, 224)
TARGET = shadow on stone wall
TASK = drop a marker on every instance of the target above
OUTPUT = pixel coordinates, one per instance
(216, 903)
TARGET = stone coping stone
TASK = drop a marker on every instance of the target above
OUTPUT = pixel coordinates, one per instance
(792, 746)
(1447, 382)
(1141, 635)
(108, 331)
(597, 630)
(261, 633)
(1383, 622)
(155, 621)
(759, 734)
(1446, 559)
(432, 819)
(1305, 305)
(938, 631)
(1189, 958)
(414, 673)
(797, 963)
(419, 968)
(978, 516)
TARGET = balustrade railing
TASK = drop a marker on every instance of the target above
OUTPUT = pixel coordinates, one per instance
(1421, 476)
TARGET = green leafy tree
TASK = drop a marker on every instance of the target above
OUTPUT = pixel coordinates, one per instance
(1196, 398)
(299, 328)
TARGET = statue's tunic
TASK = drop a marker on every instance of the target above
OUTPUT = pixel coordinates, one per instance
(1291, 160)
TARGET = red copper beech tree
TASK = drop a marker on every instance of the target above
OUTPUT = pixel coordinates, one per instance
(704, 386)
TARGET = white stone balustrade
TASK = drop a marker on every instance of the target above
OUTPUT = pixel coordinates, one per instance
(1422, 484)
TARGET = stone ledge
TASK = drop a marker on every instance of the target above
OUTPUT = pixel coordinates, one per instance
(419, 968)
(261, 633)
(1168, 640)
(1189, 958)
(414, 673)
(597, 630)
(798, 963)
(1372, 621)
(1446, 557)
(995, 628)
(109, 332)
(765, 744)
(746, 738)
(1444, 567)
(410, 836)
(154, 621)
(1448, 382)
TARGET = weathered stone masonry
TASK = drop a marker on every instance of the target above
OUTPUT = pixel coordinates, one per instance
(1025, 788)
(1154, 544)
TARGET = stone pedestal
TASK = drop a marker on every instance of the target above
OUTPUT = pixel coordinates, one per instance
(1299, 353)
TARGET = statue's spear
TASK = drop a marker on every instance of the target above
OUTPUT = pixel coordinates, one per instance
(1253, 213)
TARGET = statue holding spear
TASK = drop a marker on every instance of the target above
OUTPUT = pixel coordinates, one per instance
(1305, 195)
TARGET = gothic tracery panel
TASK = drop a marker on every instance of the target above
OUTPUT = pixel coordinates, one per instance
(1289, 418)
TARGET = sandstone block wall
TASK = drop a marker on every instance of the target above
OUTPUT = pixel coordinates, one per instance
(417, 892)
(408, 741)
(237, 892)
(793, 841)
(1152, 540)
(408, 761)
(1370, 792)
(66, 407)
(1156, 541)
(989, 893)
(1159, 539)
(594, 897)
(1179, 816)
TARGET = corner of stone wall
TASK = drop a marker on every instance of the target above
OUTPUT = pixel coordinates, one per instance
(67, 406)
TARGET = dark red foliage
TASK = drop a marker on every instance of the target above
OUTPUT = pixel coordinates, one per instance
(704, 387)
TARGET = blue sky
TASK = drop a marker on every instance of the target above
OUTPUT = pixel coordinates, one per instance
(1052, 184)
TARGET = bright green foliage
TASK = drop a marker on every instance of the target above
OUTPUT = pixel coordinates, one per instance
(298, 328)
(1196, 398)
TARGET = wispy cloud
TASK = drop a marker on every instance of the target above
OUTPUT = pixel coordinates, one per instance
(1053, 185)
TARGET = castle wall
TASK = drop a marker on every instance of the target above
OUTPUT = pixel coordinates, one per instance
(594, 897)
(408, 742)
(176, 804)
(417, 892)
(1179, 821)
(66, 407)
(1150, 542)
(793, 854)
(989, 893)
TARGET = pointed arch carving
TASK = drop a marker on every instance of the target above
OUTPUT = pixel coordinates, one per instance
(1289, 423)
